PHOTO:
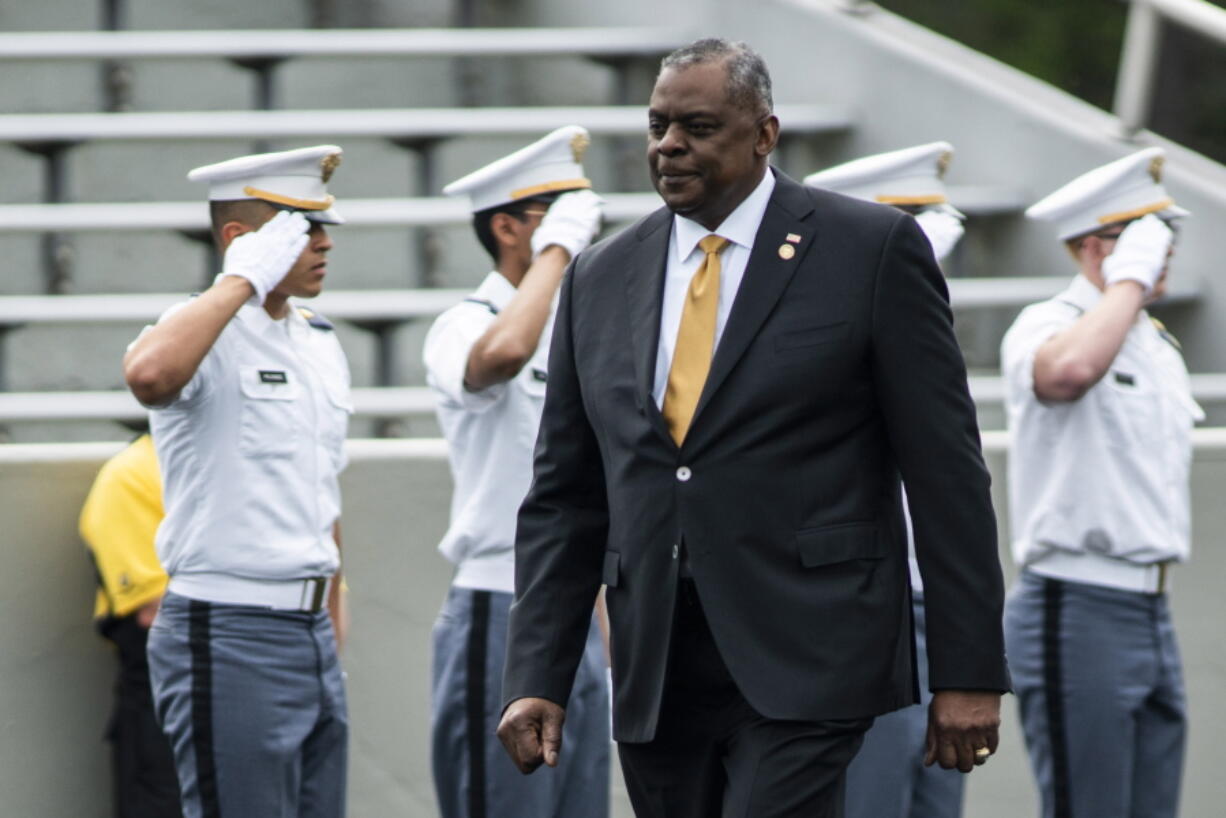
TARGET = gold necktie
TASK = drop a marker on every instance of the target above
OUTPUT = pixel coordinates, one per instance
(695, 342)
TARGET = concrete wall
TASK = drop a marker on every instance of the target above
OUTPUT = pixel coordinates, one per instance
(55, 674)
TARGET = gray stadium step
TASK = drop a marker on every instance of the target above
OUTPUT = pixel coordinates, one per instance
(410, 304)
(406, 123)
(332, 43)
(421, 211)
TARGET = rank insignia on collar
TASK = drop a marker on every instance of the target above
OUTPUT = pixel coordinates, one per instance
(315, 319)
(1166, 334)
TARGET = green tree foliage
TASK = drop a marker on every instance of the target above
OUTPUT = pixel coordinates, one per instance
(1075, 45)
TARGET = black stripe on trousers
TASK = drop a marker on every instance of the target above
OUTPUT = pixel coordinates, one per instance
(1053, 685)
(478, 647)
(202, 707)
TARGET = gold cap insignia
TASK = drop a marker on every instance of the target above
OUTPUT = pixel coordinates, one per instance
(786, 251)
(943, 163)
(578, 145)
(329, 164)
(1155, 168)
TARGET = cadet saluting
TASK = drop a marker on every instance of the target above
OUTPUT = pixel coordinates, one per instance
(486, 361)
(250, 400)
(1101, 413)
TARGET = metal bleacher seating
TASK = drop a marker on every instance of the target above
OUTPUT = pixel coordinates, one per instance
(53, 136)
(290, 43)
(406, 124)
(393, 402)
(380, 310)
(404, 212)
(420, 130)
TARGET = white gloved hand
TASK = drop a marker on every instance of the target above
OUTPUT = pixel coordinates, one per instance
(572, 222)
(264, 256)
(942, 229)
(1140, 253)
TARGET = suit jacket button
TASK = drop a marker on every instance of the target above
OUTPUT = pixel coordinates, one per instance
(684, 473)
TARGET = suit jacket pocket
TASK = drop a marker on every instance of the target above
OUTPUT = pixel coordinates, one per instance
(838, 543)
(612, 568)
(824, 334)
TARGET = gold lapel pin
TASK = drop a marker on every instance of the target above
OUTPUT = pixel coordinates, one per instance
(793, 238)
(786, 251)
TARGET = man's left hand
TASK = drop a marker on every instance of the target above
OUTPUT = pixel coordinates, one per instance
(961, 722)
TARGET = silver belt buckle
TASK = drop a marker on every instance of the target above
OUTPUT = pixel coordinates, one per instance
(1155, 578)
(313, 592)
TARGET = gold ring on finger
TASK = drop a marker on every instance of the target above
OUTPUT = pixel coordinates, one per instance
(982, 753)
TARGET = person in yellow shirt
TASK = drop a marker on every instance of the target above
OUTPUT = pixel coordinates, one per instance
(118, 524)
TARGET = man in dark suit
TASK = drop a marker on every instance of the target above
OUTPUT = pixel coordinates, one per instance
(736, 384)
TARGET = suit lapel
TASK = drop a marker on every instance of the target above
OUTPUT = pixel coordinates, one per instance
(766, 277)
(644, 295)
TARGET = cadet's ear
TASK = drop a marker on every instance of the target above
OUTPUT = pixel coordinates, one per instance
(505, 229)
(230, 231)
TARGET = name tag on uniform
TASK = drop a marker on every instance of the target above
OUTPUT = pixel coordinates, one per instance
(273, 376)
(539, 375)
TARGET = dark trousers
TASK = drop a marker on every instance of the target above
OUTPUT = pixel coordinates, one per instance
(714, 756)
(143, 771)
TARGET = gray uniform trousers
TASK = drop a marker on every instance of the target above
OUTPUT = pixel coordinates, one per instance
(470, 640)
(253, 703)
(1100, 692)
(887, 778)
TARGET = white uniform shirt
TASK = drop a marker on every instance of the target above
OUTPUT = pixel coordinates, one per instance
(250, 451)
(491, 436)
(684, 259)
(1106, 475)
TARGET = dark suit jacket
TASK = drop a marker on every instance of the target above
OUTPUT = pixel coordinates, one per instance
(837, 371)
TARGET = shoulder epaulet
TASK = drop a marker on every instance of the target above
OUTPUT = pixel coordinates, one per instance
(487, 304)
(315, 319)
(1166, 334)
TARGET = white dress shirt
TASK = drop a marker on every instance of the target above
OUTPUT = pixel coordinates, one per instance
(250, 452)
(684, 259)
(1098, 487)
(490, 434)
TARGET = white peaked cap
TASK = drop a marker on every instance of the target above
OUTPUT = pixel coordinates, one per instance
(911, 177)
(1121, 191)
(296, 179)
(552, 164)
